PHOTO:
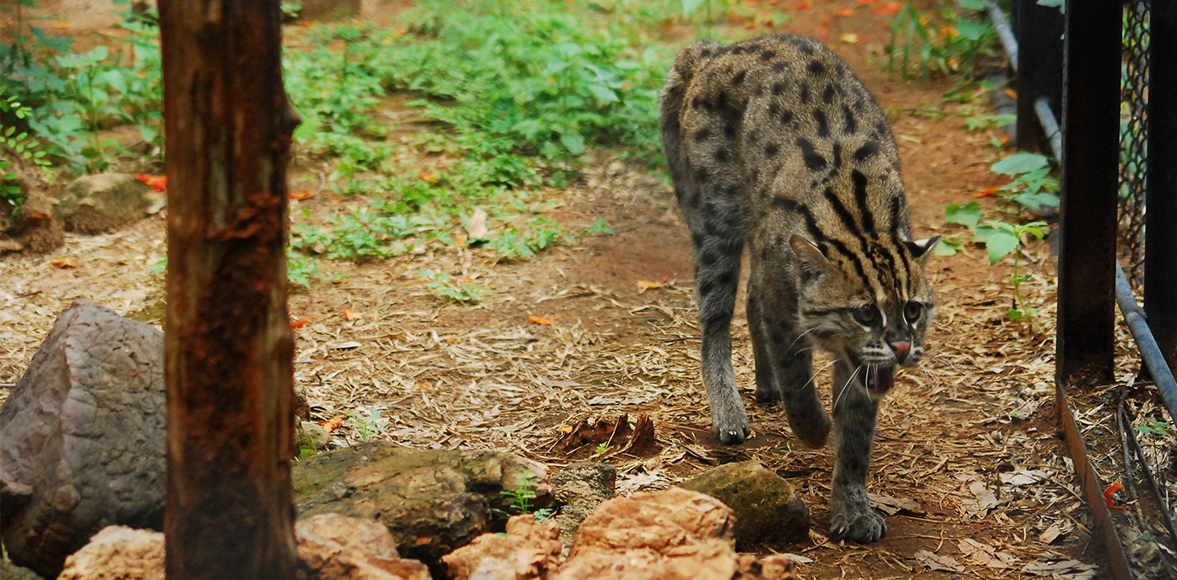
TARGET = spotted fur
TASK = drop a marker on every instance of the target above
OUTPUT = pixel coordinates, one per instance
(775, 146)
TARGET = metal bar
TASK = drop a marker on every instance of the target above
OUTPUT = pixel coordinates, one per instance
(1160, 258)
(1028, 66)
(1004, 33)
(1054, 135)
(1154, 361)
(1092, 487)
(1085, 342)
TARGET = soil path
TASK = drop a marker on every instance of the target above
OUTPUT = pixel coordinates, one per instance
(968, 438)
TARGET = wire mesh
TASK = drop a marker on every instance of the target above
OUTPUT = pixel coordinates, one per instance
(1134, 136)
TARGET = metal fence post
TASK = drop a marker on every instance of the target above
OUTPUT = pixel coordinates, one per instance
(1160, 259)
(1039, 31)
(1087, 253)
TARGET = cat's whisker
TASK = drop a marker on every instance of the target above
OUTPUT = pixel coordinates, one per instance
(846, 386)
(799, 337)
(814, 375)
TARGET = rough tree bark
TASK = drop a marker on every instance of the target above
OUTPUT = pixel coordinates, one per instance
(228, 344)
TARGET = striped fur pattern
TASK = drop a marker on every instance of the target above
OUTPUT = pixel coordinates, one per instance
(775, 145)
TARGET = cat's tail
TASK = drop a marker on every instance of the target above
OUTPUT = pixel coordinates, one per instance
(673, 105)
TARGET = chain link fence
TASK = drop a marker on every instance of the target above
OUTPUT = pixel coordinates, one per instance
(1134, 136)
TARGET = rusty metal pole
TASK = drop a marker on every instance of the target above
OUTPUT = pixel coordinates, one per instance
(1090, 164)
(228, 344)
(1160, 246)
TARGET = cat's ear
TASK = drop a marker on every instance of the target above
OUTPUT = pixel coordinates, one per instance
(811, 257)
(919, 248)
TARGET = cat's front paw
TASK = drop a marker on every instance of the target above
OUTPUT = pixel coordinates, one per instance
(858, 524)
(732, 431)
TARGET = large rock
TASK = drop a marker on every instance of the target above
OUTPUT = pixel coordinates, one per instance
(579, 489)
(529, 550)
(336, 547)
(118, 553)
(432, 501)
(767, 510)
(99, 203)
(83, 437)
(673, 534)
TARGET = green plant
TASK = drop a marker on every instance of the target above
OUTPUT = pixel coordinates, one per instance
(366, 425)
(1000, 239)
(522, 498)
(599, 227)
(942, 43)
(21, 145)
(300, 270)
(448, 287)
(1032, 188)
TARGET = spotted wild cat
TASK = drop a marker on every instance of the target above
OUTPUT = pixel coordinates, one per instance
(776, 146)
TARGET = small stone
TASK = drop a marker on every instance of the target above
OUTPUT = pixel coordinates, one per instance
(579, 489)
(317, 434)
(118, 553)
(337, 547)
(99, 203)
(767, 510)
(528, 551)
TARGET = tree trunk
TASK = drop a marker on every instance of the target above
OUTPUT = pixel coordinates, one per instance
(228, 343)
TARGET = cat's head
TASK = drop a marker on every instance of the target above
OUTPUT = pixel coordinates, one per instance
(867, 300)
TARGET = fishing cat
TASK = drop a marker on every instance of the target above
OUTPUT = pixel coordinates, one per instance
(775, 145)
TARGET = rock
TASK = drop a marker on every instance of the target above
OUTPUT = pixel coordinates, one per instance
(336, 547)
(35, 228)
(316, 433)
(579, 489)
(770, 567)
(432, 501)
(671, 534)
(10, 571)
(528, 551)
(83, 440)
(99, 203)
(767, 511)
(118, 553)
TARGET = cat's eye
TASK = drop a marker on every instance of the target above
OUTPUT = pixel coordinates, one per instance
(913, 311)
(866, 315)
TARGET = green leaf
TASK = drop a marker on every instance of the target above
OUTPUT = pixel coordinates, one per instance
(573, 142)
(999, 244)
(967, 215)
(973, 4)
(973, 30)
(1035, 201)
(946, 248)
(1020, 163)
(689, 6)
(604, 94)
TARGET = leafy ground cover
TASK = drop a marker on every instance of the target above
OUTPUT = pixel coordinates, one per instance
(487, 253)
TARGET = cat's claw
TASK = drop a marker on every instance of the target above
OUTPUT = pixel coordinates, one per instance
(733, 434)
(864, 527)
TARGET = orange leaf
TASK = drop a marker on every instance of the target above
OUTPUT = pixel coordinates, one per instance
(844, 12)
(299, 323)
(300, 194)
(888, 8)
(644, 285)
(867, 2)
(63, 25)
(427, 177)
(821, 32)
(1011, 93)
(566, 429)
(539, 319)
(1107, 496)
(349, 315)
(157, 182)
(64, 262)
(331, 424)
(988, 192)
(803, 4)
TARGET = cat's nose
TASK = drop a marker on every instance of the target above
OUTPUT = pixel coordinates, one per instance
(902, 349)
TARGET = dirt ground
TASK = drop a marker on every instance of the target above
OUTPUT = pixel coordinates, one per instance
(969, 439)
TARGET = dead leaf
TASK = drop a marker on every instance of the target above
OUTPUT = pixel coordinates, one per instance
(157, 182)
(347, 345)
(300, 194)
(933, 562)
(844, 12)
(299, 323)
(803, 4)
(1024, 477)
(427, 177)
(1070, 569)
(476, 229)
(988, 192)
(893, 505)
(349, 315)
(644, 285)
(64, 262)
(888, 8)
(1056, 531)
(331, 424)
(983, 500)
(849, 38)
(540, 320)
(986, 555)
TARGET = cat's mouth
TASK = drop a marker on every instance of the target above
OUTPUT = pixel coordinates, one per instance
(879, 380)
